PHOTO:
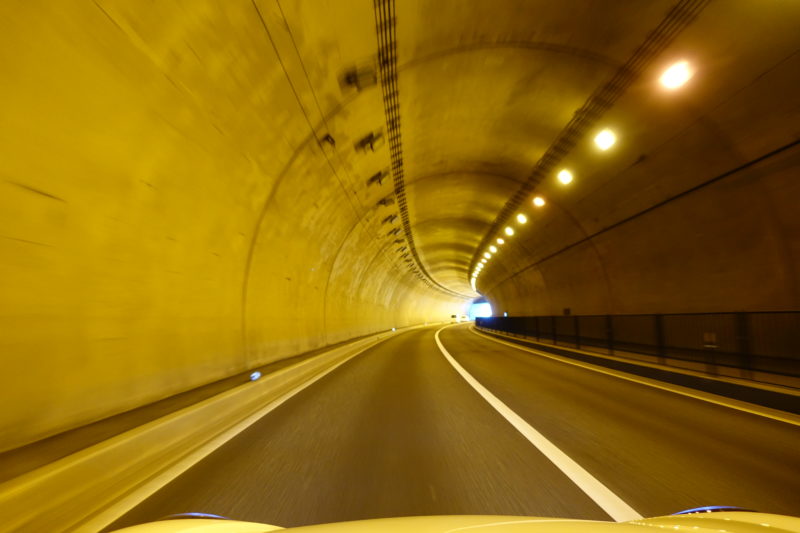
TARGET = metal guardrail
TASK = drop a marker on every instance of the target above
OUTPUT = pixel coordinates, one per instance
(751, 342)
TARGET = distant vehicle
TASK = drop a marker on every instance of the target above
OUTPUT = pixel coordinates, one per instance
(703, 520)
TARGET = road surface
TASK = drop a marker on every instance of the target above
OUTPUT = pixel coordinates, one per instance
(396, 431)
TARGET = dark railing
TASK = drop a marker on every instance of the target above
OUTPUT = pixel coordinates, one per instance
(751, 342)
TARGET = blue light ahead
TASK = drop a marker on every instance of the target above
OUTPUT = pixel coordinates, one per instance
(480, 309)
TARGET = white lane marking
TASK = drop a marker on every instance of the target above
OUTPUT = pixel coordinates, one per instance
(112, 513)
(602, 495)
(747, 407)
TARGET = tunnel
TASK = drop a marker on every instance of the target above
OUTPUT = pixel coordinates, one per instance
(204, 203)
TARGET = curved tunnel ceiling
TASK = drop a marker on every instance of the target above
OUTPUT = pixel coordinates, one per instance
(493, 98)
(483, 104)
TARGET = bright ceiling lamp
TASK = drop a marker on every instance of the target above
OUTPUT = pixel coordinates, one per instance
(522, 219)
(487, 255)
(605, 139)
(483, 261)
(509, 231)
(538, 201)
(493, 249)
(501, 241)
(565, 177)
(676, 75)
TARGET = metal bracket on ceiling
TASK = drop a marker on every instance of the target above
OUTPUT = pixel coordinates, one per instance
(328, 138)
(395, 231)
(371, 141)
(359, 77)
(388, 220)
(378, 178)
(388, 200)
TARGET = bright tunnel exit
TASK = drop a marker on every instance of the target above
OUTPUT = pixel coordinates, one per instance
(480, 308)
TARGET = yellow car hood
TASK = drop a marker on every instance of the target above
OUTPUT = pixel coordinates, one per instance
(725, 522)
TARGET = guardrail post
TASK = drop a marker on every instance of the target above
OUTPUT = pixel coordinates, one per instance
(743, 345)
(555, 336)
(658, 322)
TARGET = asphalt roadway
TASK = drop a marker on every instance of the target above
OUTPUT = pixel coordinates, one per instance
(396, 431)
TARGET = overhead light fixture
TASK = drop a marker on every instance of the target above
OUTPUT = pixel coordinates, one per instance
(487, 255)
(483, 261)
(676, 75)
(538, 201)
(565, 177)
(509, 231)
(493, 249)
(501, 241)
(605, 139)
(522, 219)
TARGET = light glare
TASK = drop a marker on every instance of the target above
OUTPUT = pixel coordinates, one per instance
(501, 241)
(565, 177)
(538, 201)
(493, 249)
(522, 219)
(509, 231)
(487, 255)
(676, 75)
(605, 139)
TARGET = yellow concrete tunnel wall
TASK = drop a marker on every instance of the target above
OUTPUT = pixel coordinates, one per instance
(167, 215)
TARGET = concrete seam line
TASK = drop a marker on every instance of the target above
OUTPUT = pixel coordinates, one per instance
(753, 409)
(599, 493)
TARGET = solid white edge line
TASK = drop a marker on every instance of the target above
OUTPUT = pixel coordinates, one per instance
(739, 405)
(599, 493)
(116, 511)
